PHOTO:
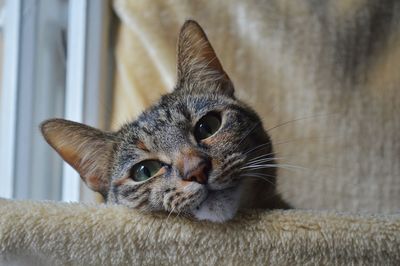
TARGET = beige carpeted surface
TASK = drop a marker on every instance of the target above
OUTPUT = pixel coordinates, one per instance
(79, 234)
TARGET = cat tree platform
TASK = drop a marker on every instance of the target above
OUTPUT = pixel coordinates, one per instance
(53, 233)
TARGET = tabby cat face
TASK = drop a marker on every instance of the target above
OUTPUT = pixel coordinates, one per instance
(188, 154)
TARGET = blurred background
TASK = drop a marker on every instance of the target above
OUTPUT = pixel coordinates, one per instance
(323, 75)
(56, 62)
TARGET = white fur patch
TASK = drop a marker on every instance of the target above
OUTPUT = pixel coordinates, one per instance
(219, 206)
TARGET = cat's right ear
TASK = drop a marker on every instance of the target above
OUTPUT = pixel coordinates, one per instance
(198, 63)
(88, 150)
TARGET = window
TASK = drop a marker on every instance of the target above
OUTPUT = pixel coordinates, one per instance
(56, 63)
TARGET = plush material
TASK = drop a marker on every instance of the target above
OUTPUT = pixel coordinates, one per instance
(80, 234)
(334, 62)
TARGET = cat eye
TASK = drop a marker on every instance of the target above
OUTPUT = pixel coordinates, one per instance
(144, 170)
(207, 126)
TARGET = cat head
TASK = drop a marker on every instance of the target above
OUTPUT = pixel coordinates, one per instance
(190, 153)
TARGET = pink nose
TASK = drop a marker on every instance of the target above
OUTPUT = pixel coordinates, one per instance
(199, 174)
(194, 166)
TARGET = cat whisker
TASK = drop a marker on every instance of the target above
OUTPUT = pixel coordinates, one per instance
(248, 133)
(274, 127)
(250, 172)
(279, 143)
(258, 147)
(172, 210)
(263, 160)
(259, 162)
(283, 166)
(301, 139)
(259, 177)
(260, 167)
(265, 155)
(177, 214)
(295, 120)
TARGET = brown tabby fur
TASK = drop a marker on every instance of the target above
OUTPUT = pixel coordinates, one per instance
(242, 166)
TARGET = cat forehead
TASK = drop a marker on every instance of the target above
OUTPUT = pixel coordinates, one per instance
(180, 103)
(174, 114)
(174, 109)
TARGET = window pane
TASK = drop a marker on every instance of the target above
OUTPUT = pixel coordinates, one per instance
(37, 83)
(1, 46)
(41, 92)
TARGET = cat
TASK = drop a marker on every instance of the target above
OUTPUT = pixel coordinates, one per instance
(198, 151)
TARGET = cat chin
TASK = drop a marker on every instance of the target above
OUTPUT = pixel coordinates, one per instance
(219, 206)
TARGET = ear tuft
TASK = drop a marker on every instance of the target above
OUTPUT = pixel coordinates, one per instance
(88, 150)
(198, 63)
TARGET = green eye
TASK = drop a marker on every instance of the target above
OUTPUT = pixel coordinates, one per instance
(207, 126)
(144, 170)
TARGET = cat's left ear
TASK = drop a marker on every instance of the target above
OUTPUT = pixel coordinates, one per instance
(198, 65)
(88, 150)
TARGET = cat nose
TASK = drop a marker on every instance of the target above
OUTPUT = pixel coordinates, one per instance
(194, 166)
(199, 174)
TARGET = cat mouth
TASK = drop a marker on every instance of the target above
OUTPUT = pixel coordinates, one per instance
(219, 205)
(214, 189)
(212, 192)
(209, 192)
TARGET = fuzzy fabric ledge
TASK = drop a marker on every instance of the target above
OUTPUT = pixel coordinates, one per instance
(80, 234)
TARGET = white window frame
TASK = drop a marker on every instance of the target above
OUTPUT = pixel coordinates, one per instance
(8, 110)
(89, 78)
(87, 91)
(74, 98)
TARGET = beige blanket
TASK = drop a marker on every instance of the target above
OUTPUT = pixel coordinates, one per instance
(79, 234)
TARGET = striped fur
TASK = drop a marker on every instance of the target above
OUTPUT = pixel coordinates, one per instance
(165, 130)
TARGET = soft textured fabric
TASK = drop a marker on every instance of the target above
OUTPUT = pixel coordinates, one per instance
(335, 63)
(80, 234)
